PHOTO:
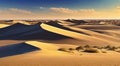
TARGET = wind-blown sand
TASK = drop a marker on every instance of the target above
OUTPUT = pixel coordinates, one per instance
(44, 52)
(49, 56)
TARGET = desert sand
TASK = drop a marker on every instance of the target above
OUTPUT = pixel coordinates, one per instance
(36, 45)
(3, 25)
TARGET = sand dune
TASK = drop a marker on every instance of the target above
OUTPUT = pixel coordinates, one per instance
(28, 46)
(39, 58)
(74, 22)
(16, 49)
(37, 45)
(78, 36)
(103, 27)
(56, 31)
(27, 32)
(46, 48)
(38, 31)
(95, 34)
(43, 46)
(3, 25)
(114, 33)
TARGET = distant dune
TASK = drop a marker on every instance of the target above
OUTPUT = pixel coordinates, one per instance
(114, 33)
(76, 22)
(102, 27)
(95, 34)
(82, 37)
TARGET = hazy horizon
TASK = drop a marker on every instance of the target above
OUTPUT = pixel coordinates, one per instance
(63, 9)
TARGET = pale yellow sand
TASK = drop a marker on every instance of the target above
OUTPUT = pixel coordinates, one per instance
(78, 36)
(50, 56)
(95, 34)
(3, 25)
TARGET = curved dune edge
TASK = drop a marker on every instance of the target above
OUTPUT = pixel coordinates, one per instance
(75, 35)
(46, 48)
(92, 33)
(95, 34)
(20, 31)
(3, 25)
(64, 32)
(41, 45)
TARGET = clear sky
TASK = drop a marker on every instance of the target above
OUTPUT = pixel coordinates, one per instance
(63, 8)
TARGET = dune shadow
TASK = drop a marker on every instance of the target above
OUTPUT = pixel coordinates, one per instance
(76, 22)
(98, 31)
(24, 32)
(16, 49)
(20, 31)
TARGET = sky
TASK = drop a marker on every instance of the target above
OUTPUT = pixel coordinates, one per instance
(59, 9)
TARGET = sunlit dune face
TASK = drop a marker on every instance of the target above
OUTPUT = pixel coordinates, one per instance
(3, 25)
(77, 36)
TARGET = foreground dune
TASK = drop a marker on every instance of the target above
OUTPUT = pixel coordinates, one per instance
(16, 49)
(43, 46)
(50, 56)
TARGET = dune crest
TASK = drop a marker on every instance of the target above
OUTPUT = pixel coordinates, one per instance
(75, 35)
(20, 31)
(43, 46)
(95, 34)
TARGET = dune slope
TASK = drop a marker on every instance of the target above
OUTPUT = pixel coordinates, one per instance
(75, 35)
(27, 32)
(95, 34)
(16, 49)
(3, 25)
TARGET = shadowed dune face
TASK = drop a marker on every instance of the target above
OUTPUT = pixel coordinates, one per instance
(28, 32)
(16, 49)
(76, 22)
